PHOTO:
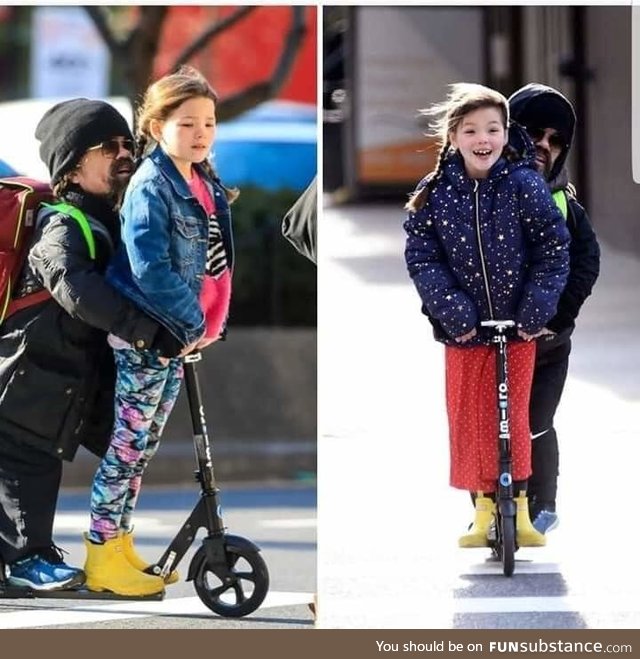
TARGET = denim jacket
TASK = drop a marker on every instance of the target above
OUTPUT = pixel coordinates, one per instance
(161, 262)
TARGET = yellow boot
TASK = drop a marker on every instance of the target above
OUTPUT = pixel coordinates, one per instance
(136, 561)
(477, 535)
(107, 569)
(526, 534)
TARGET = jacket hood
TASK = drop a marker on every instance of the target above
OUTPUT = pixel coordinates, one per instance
(522, 144)
(529, 101)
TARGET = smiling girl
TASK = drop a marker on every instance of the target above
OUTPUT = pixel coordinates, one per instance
(485, 241)
(174, 263)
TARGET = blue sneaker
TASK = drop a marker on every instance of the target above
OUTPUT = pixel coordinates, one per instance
(545, 521)
(45, 571)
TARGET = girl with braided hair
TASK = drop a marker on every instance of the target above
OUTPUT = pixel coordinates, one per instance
(175, 263)
(485, 241)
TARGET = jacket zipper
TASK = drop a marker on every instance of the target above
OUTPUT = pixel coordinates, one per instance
(480, 249)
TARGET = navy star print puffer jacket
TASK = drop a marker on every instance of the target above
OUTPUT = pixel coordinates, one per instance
(494, 248)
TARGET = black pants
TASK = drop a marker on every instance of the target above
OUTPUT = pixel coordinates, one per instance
(549, 376)
(29, 486)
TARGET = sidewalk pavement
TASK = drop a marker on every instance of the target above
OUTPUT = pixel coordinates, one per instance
(388, 520)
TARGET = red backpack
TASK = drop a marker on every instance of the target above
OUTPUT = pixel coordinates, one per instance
(20, 200)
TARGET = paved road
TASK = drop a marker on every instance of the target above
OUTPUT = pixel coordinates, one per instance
(388, 556)
(280, 519)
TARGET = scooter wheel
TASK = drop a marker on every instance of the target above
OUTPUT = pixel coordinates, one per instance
(244, 588)
(508, 545)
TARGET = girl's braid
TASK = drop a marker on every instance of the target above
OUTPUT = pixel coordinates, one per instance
(141, 145)
(230, 193)
(419, 199)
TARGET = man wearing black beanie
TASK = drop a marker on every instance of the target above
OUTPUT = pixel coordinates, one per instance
(550, 120)
(56, 369)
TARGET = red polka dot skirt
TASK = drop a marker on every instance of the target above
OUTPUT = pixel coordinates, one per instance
(473, 415)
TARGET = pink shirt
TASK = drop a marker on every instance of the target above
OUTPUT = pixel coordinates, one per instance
(201, 192)
(215, 295)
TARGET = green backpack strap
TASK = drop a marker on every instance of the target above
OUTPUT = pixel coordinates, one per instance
(82, 221)
(561, 202)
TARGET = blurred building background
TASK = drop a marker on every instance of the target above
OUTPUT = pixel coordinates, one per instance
(381, 64)
(260, 384)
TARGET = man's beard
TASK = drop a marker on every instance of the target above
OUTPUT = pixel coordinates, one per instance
(548, 165)
(118, 182)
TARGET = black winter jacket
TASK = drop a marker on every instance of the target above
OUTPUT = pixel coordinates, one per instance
(56, 369)
(584, 252)
(584, 268)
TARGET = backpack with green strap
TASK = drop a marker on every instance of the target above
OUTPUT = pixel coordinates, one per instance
(20, 200)
(560, 198)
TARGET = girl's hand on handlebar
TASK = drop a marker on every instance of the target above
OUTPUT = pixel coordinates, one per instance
(189, 348)
(203, 343)
(466, 337)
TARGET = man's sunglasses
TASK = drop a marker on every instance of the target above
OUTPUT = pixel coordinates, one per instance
(555, 140)
(111, 148)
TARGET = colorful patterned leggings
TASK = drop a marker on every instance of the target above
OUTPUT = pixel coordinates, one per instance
(145, 394)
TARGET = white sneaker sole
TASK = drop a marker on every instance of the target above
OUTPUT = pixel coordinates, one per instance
(65, 585)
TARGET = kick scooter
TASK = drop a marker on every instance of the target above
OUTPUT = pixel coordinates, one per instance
(503, 545)
(228, 572)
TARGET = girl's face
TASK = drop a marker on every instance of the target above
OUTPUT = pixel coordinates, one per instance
(480, 137)
(188, 133)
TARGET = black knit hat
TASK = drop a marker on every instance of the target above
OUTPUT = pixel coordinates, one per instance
(546, 111)
(69, 128)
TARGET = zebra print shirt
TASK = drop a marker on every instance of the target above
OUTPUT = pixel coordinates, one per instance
(216, 255)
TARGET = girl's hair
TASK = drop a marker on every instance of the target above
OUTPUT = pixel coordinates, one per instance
(464, 97)
(166, 95)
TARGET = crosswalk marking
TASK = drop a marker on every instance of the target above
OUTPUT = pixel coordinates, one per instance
(445, 611)
(68, 522)
(525, 568)
(297, 523)
(555, 604)
(91, 613)
(79, 522)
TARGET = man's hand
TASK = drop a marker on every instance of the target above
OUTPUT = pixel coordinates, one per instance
(466, 337)
(530, 337)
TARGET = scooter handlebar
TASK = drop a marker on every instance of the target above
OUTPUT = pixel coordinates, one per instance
(499, 324)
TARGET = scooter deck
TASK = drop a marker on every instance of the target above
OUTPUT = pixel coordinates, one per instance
(16, 592)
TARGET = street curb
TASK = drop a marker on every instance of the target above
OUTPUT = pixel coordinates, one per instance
(240, 461)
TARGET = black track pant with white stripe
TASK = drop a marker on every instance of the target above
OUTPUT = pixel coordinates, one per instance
(29, 486)
(549, 376)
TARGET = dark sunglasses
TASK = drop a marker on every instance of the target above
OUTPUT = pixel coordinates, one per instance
(555, 140)
(111, 148)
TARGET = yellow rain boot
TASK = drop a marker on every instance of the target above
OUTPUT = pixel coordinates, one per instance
(136, 561)
(107, 569)
(526, 534)
(477, 535)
